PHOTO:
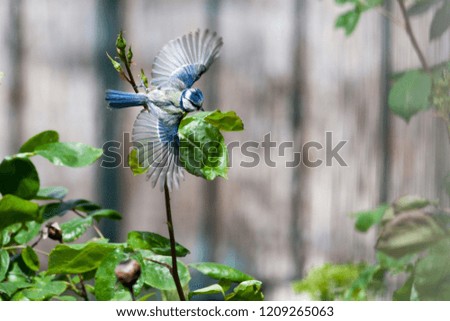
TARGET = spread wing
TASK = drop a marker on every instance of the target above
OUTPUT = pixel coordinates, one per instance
(157, 144)
(182, 61)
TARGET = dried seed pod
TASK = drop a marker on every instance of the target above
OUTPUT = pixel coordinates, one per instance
(53, 231)
(127, 272)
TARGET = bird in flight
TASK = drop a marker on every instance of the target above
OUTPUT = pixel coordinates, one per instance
(177, 66)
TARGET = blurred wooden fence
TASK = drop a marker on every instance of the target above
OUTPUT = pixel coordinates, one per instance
(285, 70)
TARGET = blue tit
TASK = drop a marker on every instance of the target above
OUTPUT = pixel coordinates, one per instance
(178, 65)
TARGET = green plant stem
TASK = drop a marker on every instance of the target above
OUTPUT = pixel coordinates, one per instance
(72, 286)
(173, 252)
(16, 247)
(174, 269)
(412, 37)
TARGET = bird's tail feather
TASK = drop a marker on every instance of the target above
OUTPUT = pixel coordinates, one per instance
(120, 99)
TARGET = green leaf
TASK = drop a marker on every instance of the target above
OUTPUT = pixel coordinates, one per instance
(19, 177)
(365, 220)
(69, 154)
(395, 265)
(78, 258)
(76, 227)
(159, 276)
(19, 273)
(421, 6)
(16, 210)
(410, 94)
(105, 213)
(369, 281)
(122, 295)
(247, 291)
(432, 274)
(404, 292)
(441, 21)
(227, 121)
(221, 272)
(105, 278)
(329, 281)
(348, 21)
(51, 193)
(411, 202)
(202, 149)
(51, 210)
(4, 264)
(133, 161)
(212, 289)
(49, 136)
(10, 287)
(44, 288)
(154, 242)
(115, 63)
(30, 258)
(409, 233)
(120, 41)
(19, 296)
(28, 232)
(144, 78)
(86, 206)
(7, 232)
(130, 56)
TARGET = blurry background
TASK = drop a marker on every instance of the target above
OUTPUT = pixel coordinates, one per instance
(285, 70)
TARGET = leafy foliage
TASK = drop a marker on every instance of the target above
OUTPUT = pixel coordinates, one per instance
(349, 19)
(329, 282)
(202, 149)
(413, 240)
(441, 21)
(221, 272)
(413, 232)
(410, 94)
(365, 220)
(154, 242)
(89, 270)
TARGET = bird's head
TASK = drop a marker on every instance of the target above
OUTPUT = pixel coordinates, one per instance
(191, 99)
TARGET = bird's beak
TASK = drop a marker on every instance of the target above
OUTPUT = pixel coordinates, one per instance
(202, 109)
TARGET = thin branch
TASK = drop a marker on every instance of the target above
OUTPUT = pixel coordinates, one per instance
(160, 263)
(133, 297)
(83, 288)
(412, 37)
(130, 76)
(38, 240)
(174, 268)
(173, 252)
(94, 225)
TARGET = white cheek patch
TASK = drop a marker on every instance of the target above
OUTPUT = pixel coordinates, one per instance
(188, 94)
(188, 105)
